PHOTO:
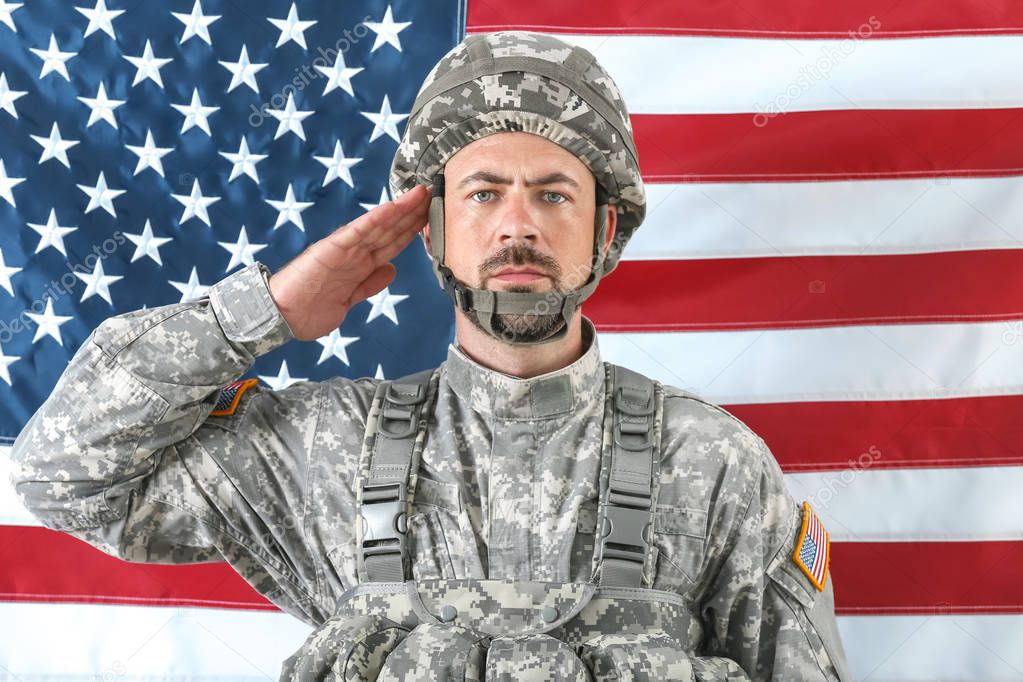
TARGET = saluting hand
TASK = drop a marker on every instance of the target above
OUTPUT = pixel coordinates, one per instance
(318, 287)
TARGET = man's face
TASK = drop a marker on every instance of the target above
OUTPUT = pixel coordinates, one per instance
(518, 216)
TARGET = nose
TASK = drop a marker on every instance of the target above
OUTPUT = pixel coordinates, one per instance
(517, 222)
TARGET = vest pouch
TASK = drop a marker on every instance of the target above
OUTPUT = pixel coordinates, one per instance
(435, 651)
(344, 649)
(533, 658)
(645, 657)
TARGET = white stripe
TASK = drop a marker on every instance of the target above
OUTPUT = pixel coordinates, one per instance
(736, 75)
(875, 362)
(12, 511)
(818, 558)
(946, 647)
(863, 217)
(69, 641)
(926, 504)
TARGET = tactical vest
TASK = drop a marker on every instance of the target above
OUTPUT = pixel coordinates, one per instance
(612, 627)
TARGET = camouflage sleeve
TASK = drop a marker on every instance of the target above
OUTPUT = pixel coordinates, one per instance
(760, 608)
(125, 455)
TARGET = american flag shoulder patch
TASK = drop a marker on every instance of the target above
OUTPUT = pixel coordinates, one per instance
(230, 396)
(812, 553)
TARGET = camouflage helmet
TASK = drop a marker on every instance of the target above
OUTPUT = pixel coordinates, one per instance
(520, 81)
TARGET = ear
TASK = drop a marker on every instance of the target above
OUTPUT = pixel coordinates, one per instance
(426, 237)
(612, 223)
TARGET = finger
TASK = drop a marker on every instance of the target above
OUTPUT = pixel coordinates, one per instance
(393, 247)
(381, 223)
(408, 211)
(375, 282)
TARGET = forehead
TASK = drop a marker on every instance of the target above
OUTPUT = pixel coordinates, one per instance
(511, 152)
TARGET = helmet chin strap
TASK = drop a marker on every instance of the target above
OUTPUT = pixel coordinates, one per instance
(489, 304)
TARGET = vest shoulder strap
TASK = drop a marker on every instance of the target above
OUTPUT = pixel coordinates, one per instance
(398, 419)
(625, 550)
(398, 415)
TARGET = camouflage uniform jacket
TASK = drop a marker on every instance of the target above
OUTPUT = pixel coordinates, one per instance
(125, 455)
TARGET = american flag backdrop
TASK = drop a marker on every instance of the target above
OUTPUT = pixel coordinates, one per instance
(831, 251)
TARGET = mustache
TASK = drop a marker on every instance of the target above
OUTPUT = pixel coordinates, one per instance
(520, 254)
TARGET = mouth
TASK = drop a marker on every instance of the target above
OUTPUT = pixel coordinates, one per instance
(518, 275)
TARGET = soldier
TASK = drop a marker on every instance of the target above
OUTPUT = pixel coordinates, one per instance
(523, 511)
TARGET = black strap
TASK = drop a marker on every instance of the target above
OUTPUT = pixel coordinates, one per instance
(391, 429)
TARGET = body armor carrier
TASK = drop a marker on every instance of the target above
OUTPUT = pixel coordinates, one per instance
(613, 627)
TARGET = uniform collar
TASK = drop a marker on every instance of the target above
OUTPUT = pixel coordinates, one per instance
(564, 390)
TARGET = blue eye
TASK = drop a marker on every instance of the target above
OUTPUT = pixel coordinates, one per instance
(482, 191)
(557, 194)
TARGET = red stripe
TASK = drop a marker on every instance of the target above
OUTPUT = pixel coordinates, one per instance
(810, 291)
(927, 577)
(885, 434)
(818, 538)
(42, 565)
(830, 145)
(782, 18)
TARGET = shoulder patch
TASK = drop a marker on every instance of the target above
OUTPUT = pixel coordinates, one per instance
(230, 396)
(813, 547)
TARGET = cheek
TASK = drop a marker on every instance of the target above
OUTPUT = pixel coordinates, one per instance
(461, 248)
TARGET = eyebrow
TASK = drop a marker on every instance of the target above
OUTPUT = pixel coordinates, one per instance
(493, 178)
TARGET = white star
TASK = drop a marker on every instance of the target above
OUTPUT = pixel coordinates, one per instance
(6, 9)
(149, 155)
(102, 107)
(97, 282)
(290, 210)
(195, 113)
(385, 121)
(101, 196)
(52, 234)
(192, 288)
(100, 18)
(7, 184)
(53, 59)
(48, 322)
(8, 97)
(283, 378)
(5, 274)
(244, 162)
(196, 23)
(147, 66)
(387, 30)
(195, 204)
(380, 372)
(383, 200)
(337, 166)
(291, 28)
(54, 146)
(243, 71)
(5, 361)
(290, 118)
(147, 245)
(338, 75)
(335, 345)
(383, 304)
(241, 251)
